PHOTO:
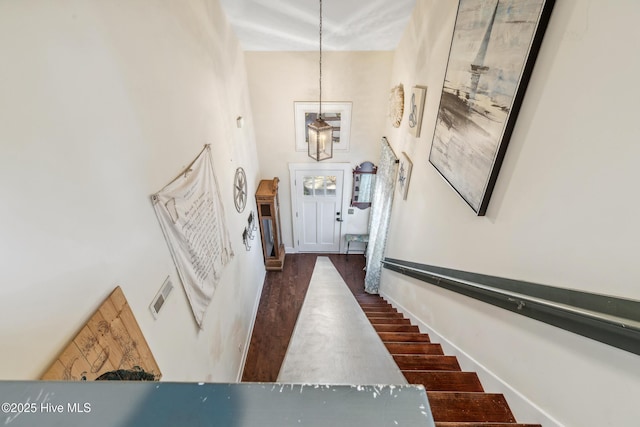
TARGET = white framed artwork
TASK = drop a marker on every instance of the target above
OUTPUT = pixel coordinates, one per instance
(416, 109)
(337, 114)
(404, 174)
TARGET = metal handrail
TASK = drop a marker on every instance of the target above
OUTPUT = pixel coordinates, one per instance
(620, 332)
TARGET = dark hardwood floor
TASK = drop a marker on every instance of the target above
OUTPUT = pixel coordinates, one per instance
(456, 397)
(282, 297)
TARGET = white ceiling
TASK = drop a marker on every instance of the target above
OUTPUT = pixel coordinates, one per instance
(282, 25)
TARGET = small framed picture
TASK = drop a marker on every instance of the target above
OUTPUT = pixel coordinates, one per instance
(337, 114)
(404, 175)
(416, 109)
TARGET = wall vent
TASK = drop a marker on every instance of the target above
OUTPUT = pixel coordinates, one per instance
(161, 297)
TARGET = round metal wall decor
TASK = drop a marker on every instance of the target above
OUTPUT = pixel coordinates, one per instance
(396, 105)
(240, 189)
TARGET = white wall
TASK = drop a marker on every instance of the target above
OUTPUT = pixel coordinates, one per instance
(564, 212)
(278, 79)
(101, 105)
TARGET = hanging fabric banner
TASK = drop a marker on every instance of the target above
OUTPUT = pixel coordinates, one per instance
(191, 216)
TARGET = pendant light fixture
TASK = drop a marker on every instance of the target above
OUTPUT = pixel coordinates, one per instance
(320, 132)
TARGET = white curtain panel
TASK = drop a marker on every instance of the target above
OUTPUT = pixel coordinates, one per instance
(381, 204)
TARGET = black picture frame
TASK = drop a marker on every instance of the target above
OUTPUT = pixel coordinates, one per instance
(493, 51)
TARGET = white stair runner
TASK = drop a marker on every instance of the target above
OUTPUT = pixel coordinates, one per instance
(333, 341)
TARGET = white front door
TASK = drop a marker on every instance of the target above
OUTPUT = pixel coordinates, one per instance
(318, 209)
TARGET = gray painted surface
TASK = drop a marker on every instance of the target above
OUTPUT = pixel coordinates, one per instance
(333, 341)
(122, 404)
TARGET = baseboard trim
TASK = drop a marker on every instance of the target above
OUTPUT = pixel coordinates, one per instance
(245, 352)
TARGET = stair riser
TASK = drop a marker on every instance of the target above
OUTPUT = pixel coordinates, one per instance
(403, 337)
(414, 348)
(427, 363)
(445, 381)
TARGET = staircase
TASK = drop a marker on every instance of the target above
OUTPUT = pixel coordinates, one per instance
(457, 398)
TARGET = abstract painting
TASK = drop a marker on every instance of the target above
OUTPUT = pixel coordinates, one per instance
(493, 50)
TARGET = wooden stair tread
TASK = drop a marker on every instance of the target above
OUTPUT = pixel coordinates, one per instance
(386, 321)
(413, 348)
(379, 304)
(422, 362)
(396, 328)
(370, 298)
(445, 380)
(378, 307)
(469, 407)
(381, 310)
(403, 337)
(383, 315)
(473, 424)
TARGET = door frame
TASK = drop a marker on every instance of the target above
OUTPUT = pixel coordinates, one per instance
(347, 170)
